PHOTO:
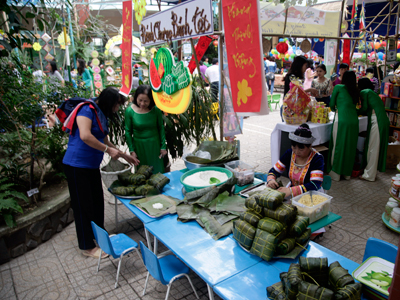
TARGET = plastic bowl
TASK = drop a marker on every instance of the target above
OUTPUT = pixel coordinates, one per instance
(190, 188)
(192, 166)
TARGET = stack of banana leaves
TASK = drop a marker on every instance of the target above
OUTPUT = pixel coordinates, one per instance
(142, 183)
(270, 228)
(221, 152)
(313, 279)
(214, 208)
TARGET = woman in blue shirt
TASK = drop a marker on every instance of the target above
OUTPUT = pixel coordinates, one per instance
(85, 73)
(87, 144)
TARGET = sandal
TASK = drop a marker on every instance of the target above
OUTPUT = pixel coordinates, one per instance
(96, 254)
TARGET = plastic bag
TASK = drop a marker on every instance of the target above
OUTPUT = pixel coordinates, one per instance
(203, 154)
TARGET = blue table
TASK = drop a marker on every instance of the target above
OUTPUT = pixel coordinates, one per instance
(214, 261)
(252, 282)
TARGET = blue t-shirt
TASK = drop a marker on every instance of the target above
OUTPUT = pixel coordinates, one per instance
(78, 153)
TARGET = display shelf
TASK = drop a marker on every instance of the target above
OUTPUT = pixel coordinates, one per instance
(392, 110)
(391, 126)
(388, 225)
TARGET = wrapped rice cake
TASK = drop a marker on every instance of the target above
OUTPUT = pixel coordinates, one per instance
(284, 213)
(308, 291)
(351, 291)
(251, 217)
(276, 291)
(145, 170)
(286, 245)
(272, 226)
(264, 245)
(244, 233)
(158, 181)
(315, 267)
(339, 277)
(124, 190)
(304, 237)
(146, 190)
(294, 278)
(270, 199)
(135, 179)
(251, 203)
(298, 226)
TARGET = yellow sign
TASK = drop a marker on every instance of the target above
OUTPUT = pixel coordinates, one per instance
(301, 20)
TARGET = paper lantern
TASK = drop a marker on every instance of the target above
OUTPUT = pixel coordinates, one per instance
(398, 45)
(321, 39)
(377, 45)
(282, 48)
(316, 40)
(383, 44)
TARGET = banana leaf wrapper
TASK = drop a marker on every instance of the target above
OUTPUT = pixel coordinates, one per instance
(135, 179)
(276, 291)
(271, 199)
(284, 278)
(207, 198)
(158, 181)
(309, 291)
(244, 233)
(339, 277)
(231, 204)
(198, 193)
(251, 203)
(285, 213)
(224, 218)
(220, 151)
(123, 190)
(316, 268)
(146, 190)
(272, 226)
(298, 226)
(146, 204)
(188, 212)
(305, 236)
(286, 245)
(147, 171)
(294, 278)
(252, 217)
(228, 186)
(213, 227)
(264, 245)
(351, 291)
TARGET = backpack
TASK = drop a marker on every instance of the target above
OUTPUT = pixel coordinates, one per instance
(68, 110)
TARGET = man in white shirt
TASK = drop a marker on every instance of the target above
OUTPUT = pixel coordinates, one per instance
(135, 80)
(212, 77)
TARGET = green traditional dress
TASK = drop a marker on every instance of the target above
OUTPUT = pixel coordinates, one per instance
(344, 137)
(145, 136)
(371, 101)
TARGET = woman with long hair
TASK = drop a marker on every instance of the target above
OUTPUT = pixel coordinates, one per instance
(309, 74)
(343, 146)
(85, 73)
(144, 130)
(87, 144)
(322, 85)
(55, 76)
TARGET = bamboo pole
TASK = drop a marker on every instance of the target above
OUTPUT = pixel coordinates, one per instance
(387, 34)
(284, 25)
(197, 63)
(376, 16)
(76, 22)
(221, 70)
(40, 55)
(338, 40)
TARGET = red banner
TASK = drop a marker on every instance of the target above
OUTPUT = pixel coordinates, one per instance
(346, 52)
(126, 47)
(200, 48)
(243, 45)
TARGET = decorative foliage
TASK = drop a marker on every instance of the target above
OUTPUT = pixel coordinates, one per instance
(140, 10)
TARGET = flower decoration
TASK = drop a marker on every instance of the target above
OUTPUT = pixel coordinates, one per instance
(244, 92)
(36, 46)
(140, 10)
(61, 41)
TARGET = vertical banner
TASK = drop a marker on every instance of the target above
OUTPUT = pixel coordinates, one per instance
(330, 56)
(243, 44)
(126, 48)
(200, 48)
(346, 52)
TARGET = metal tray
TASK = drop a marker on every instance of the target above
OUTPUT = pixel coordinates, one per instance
(126, 197)
(260, 186)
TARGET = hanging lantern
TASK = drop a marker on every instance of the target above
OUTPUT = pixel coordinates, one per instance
(215, 43)
(282, 47)
(321, 39)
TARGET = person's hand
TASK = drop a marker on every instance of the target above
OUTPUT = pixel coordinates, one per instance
(131, 159)
(114, 153)
(285, 190)
(312, 91)
(133, 154)
(163, 152)
(273, 184)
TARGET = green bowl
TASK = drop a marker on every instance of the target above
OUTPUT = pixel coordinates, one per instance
(190, 188)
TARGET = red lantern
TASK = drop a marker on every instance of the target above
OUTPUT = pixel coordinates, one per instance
(215, 43)
(383, 44)
(398, 45)
(282, 47)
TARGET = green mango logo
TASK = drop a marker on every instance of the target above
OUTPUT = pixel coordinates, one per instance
(381, 279)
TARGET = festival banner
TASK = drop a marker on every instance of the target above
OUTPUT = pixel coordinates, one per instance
(301, 20)
(126, 48)
(200, 48)
(346, 52)
(182, 21)
(330, 56)
(243, 44)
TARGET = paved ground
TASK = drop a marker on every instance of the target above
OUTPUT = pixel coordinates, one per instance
(57, 270)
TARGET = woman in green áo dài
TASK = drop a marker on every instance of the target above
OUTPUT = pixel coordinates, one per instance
(378, 130)
(144, 130)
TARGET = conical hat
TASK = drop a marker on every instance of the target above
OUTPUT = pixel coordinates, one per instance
(305, 46)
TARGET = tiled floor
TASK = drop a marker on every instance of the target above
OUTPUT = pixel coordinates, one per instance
(57, 270)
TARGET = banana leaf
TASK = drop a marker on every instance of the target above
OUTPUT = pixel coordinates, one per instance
(158, 181)
(212, 206)
(244, 233)
(264, 245)
(146, 190)
(351, 291)
(309, 291)
(270, 198)
(211, 225)
(224, 218)
(294, 278)
(187, 212)
(272, 226)
(316, 268)
(299, 226)
(296, 251)
(285, 246)
(220, 151)
(228, 186)
(276, 291)
(251, 203)
(285, 213)
(305, 237)
(250, 216)
(207, 198)
(146, 204)
(145, 170)
(231, 204)
(135, 179)
(284, 278)
(198, 193)
(339, 276)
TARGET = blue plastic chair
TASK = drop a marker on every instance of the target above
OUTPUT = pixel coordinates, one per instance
(376, 247)
(166, 269)
(115, 245)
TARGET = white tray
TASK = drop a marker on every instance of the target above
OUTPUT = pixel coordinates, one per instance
(377, 269)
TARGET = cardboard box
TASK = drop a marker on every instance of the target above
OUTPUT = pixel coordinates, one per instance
(393, 154)
(388, 89)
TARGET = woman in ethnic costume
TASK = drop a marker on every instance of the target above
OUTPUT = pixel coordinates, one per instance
(378, 130)
(305, 165)
(344, 137)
